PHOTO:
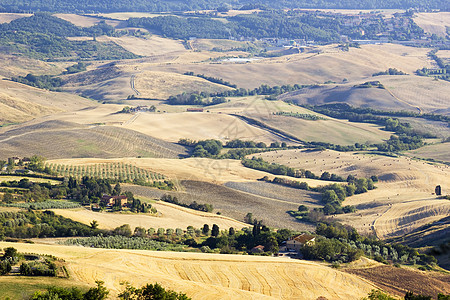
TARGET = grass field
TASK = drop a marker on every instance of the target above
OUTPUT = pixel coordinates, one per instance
(85, 21)
(12, 65)
(206, 276)
(32, 179)
(403, 200)
(20, 287)
(8, 17)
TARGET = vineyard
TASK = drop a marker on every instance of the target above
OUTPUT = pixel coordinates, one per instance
(117, 171)
(122, 242)
(49, 204)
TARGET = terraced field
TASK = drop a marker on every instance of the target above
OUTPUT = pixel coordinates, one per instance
(206, 276)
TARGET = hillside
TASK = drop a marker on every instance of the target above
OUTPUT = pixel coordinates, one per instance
(403, 200)
(200, 276)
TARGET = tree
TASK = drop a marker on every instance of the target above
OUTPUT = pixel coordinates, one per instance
(248, 218)
(151, 292)
(98, 293)
(438, 190)
(124, 230)
(215, 230)
(94, 224)
(36, 163)
(117, 190)
(231, 231)
(2, 164)
(10, 253)
(205, 229)
(329, 196)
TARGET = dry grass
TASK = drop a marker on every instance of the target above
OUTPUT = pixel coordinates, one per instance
(169, 216)
(8, 17)
(150, 46)
(19, 103)
(32, 179)
(206, 276)
(84, 21)
(126, 15)
(11, 65)
(74, 140)
(306, 68)
(403, 200)
(161, 85)
(197, 126)
(439, 152)
(433, 22)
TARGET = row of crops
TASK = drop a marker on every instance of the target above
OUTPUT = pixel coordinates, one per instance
(48, 204)
(122, 242)
(119, 171)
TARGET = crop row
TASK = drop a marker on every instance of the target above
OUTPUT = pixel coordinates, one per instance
(118, 171)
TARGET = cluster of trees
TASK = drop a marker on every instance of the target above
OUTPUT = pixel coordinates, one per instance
(212, 79)
(47, 82)
(443, 72)
(370, 84)
(33, 224)
(390, 71)
(38, 268)
(203, 98)
(379, 295)
(194, 205)
(44, 36)
(76, 68)
(278, 169)
(270, 24)
(299, 115)
(100, 292)
(54, 292)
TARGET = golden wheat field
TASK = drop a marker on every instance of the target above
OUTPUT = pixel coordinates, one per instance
(206, 276)
(433, 22)
(403, 199)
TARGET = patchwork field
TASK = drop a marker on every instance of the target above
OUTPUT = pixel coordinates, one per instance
(403, 200)
(323, 64)
(206, 276)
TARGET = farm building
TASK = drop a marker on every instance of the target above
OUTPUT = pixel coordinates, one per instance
(297, 242)
(191, 109)
(257, 249)
(110, 201)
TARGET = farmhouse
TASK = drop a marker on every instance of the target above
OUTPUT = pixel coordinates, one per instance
(257, 249)
(297, 242)
(192, 109)
(110, 201)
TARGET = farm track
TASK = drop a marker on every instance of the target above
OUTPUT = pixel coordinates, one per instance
(132, 84)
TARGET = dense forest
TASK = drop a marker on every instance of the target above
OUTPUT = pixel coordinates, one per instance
(89, 6)
(43, 36)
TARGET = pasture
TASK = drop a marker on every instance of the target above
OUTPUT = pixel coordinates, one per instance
(433, 23)
(201, 276)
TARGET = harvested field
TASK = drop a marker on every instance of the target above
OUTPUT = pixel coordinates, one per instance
(162, 85)
(197, 126)
(20, 103)
(333, 131)
(149, 46)
(169, 216)
(206, 276)
(12, 65)
(440, 152)
(84, 141)
(275, 191)
(411, 93)
(8, 17)
(312, 68)
(433, 22)
(398, 281)
(236, 204)
(403, 200)
(84, 21)
(32, 179)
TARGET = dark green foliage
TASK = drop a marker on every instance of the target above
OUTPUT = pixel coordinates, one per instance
(411, 296)
(123, 230)
(5, 267)
(215, 230)
(299, 116)
(99, 292)
(151, 292)
(46, 268)
(43, 81)
(76, 68)
(379, 295)
(43, 36)
(194, 205)
(390, 71)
